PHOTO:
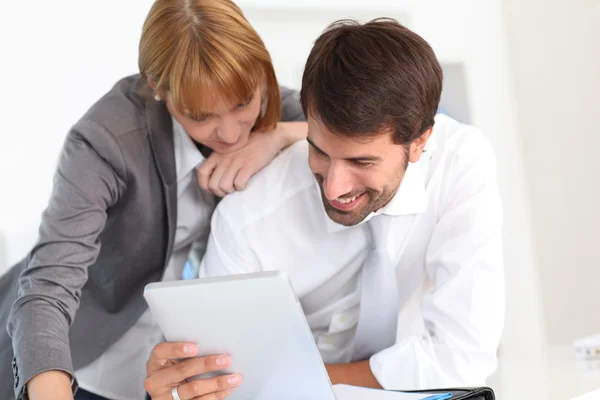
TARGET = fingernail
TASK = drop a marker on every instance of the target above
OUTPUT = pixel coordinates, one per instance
(222, 360)
(190, 349)
(234, 380)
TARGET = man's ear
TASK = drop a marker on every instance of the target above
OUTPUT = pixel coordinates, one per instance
(417, 145)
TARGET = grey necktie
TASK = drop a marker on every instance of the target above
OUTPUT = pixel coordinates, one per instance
(378, 318)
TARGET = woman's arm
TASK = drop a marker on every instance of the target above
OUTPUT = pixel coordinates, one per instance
(226, 173)
(292, 132)
(50, 385)
(90, 178)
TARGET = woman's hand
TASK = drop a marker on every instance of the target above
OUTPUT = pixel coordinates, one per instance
(169, 367)
(225, 173)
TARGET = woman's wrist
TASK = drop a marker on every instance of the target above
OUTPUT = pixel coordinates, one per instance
(291, 132)
(50, 385)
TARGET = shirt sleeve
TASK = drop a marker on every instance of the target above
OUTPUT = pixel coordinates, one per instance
(228, 252)
(89, 179)
(464, 312)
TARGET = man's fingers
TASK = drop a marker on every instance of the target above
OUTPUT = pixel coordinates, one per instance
(162, 353)
(209, 389)
(179, 372)
(216, 395)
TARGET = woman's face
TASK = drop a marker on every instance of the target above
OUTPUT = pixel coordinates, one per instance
(224, 128)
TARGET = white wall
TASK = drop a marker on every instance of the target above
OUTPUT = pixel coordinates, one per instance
(555, 52)
(58, 58)
(535, 96)
(65, 54)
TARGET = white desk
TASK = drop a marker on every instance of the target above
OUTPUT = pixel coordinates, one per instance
(556, 375)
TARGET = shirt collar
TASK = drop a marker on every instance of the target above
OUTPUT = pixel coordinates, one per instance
(187, 155)
(411, 197)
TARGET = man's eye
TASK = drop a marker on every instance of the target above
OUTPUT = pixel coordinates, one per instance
(317, 151)
(362, 164)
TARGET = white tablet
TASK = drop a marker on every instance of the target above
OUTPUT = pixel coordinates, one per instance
(257, 319)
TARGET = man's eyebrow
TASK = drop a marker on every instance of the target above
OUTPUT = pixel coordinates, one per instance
(315, 146)
(364, 158)
(352, 159)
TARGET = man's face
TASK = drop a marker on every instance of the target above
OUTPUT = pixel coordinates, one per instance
(357, 176)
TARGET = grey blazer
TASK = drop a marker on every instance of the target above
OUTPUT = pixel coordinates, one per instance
(107, 232)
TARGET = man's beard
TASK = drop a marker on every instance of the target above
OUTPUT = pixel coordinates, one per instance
(375, 200)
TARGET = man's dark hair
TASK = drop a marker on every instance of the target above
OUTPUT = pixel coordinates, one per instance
(365, 80)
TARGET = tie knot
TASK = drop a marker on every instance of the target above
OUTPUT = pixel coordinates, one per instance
(378, 228)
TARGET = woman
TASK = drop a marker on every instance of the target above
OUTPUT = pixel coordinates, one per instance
(126, 205)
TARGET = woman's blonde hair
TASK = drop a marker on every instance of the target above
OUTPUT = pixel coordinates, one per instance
(202, 49)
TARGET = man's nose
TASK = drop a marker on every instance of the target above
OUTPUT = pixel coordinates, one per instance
(337, 182)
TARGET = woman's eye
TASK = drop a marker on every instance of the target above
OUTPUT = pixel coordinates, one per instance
(199, 118)
(242, 105)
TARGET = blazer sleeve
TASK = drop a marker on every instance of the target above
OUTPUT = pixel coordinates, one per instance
(89, 179)
(291, 109)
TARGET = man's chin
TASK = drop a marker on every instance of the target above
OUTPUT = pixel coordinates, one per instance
(346, 218)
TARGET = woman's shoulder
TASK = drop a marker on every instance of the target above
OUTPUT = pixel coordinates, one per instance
(122, 109)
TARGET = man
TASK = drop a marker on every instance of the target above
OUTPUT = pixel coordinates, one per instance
(390, 234)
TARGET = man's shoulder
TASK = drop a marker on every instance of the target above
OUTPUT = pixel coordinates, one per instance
(461, 142)
(272, 188)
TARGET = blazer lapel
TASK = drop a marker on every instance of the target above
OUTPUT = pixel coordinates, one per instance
(160, 127)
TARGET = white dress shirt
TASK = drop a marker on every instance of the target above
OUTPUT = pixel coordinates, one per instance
(444, 239)
(119, 373)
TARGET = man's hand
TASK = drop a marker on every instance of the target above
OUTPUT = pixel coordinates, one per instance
(50, 385)
(169, 366)
(355, 374)
(226, 173)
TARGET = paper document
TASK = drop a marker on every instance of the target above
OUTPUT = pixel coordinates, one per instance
(345, 392)
(595, 395)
